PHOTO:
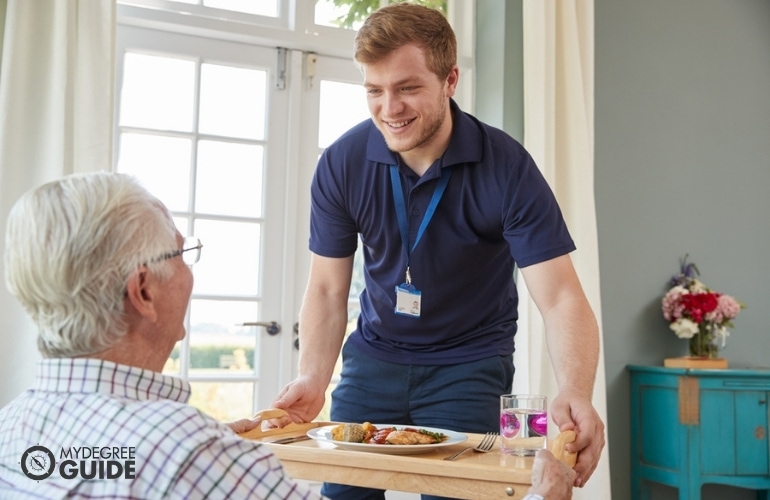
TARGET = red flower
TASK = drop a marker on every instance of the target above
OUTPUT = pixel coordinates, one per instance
(697, 305)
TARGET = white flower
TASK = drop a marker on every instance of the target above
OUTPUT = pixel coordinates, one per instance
(684, 328)
(697, 286)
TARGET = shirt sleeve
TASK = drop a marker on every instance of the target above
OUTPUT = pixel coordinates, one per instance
(232, 467)
(533, 223)
(333, 232)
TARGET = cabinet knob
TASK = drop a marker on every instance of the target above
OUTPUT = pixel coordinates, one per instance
(759, 432)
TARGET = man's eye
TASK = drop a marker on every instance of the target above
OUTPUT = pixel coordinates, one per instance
(373, 92)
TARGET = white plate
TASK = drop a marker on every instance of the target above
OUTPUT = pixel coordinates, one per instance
(324, 435)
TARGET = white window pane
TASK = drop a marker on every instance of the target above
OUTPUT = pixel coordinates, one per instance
(162, 165)
(173, 363)
(230, 258)
(328, 14)
(229, 180)
(258, 7)
(217, 342)
(182, 225)
(232, 101)
(334, 119)
(157, 92)
(225, 401)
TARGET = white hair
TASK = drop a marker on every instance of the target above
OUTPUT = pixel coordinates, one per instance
(70, 247)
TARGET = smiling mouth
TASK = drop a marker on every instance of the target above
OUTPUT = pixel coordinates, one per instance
(400, 124)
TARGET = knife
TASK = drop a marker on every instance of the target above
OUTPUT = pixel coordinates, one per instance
(289, 439)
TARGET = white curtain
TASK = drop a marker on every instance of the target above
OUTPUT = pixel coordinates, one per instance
(558, 131)
(56, 114)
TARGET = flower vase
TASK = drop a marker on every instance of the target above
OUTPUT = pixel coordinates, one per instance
(703, 344)
(703, 350)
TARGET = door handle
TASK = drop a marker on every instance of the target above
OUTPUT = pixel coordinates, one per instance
(272, 327)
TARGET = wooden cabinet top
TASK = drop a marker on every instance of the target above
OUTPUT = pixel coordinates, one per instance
(721, 373)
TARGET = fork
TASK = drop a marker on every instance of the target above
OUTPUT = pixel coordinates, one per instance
(484, 446)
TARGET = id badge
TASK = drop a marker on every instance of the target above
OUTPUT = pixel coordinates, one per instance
(408, 300)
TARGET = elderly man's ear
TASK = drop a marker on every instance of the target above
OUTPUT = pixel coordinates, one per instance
(141, 294)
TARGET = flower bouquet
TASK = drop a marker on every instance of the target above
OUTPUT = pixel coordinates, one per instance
(698, 313)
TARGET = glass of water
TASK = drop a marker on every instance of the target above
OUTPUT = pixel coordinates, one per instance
(523, 423)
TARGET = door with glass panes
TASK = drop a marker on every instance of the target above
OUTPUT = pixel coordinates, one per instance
(193, 126)
(208, 128)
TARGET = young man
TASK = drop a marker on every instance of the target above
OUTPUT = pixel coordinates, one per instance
(445, 207)
(98, 264)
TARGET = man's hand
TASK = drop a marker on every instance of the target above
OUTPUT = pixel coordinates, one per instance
(551, 478)
(578, 414)
(302, 399)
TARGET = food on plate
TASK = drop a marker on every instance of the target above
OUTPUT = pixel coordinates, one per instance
(410, 437)
(368, 433)
(353, 433)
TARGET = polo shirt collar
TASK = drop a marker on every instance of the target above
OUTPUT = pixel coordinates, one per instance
(464, 147)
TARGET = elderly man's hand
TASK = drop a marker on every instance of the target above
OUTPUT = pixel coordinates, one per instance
(244, 425)
(551, 478)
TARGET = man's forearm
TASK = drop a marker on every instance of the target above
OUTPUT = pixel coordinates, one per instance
(572, 335)
(321, 332)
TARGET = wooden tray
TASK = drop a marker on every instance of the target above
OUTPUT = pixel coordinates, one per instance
(479, 476)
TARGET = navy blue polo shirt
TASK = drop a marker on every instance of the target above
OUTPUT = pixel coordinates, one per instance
(497, 211)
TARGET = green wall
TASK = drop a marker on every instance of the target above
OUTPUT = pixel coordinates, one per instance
(682, 143)
(682, 166)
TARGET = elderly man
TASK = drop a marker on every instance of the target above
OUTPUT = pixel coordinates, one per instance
(99, 266)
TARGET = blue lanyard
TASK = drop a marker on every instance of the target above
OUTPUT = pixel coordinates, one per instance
(398, 199)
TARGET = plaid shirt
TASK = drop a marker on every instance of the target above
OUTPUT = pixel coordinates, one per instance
(110, 409)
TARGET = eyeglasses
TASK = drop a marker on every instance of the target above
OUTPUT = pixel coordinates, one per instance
(190, 251)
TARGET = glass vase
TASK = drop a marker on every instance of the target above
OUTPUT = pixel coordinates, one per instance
(703, 344)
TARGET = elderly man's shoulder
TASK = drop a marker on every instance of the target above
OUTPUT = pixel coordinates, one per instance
(174, 419)
(179, 432)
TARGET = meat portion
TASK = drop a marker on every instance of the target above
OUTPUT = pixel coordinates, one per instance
(409, 437)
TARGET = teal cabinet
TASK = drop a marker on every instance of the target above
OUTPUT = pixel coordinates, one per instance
(692, 427)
